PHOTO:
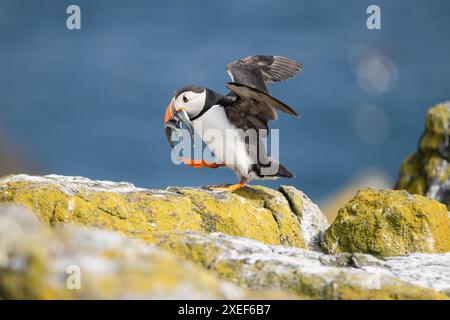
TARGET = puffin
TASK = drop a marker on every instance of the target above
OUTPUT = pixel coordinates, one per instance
(248, 107)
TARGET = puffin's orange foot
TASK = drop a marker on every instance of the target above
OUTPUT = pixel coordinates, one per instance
(200, 164)
(231, 188)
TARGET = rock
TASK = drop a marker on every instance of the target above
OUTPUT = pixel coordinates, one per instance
(389, 223)
(427, 171)
(275, 217)
(190, 242)
(368, 178)
(310, 274)
(428, 270)
(38, 263)
(313, 222)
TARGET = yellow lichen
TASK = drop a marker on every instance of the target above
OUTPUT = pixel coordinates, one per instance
(411, 177)
(428, 168)
(438, 118)
(389, 223)
(255, 212)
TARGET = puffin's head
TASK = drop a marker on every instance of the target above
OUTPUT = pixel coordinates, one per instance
(189, 100)
(192, 99)
(185, 105)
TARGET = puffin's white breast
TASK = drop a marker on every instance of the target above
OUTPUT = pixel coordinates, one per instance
(214, 128)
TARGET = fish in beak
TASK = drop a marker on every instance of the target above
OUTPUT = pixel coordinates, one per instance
(173, 118)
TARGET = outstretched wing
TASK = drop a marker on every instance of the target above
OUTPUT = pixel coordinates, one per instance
(257, 71)
(253, 108)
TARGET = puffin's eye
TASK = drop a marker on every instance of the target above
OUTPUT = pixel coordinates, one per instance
(185, 99)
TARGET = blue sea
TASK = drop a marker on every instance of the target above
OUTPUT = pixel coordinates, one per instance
(90, 102)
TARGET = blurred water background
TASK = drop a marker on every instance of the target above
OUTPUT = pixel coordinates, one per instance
(91, 102)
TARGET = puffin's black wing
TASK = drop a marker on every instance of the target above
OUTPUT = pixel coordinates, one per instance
(257, 71)
(253, 108)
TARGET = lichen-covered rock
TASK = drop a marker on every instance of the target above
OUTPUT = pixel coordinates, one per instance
(287, 217)
(427, 171)
(389, 223)
(74, 263)
(309, 274)
(370, 178)
(175, 250)
(38, 263)
(313, 222)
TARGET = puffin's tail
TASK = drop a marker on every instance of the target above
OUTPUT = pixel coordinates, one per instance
(282, 172)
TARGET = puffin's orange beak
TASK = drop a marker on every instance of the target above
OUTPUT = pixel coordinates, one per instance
(168, 113)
